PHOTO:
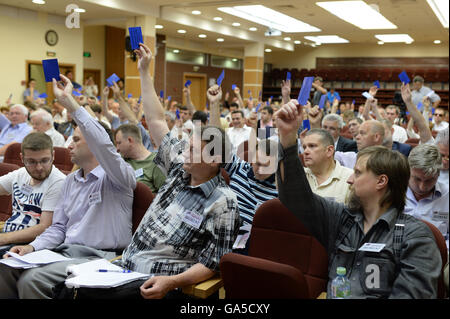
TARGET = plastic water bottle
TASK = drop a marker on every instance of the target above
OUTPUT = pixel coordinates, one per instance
(340, 286)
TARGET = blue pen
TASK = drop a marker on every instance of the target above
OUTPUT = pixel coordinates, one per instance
(120, 271)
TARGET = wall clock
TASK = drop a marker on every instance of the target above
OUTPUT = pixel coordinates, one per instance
(51, 37)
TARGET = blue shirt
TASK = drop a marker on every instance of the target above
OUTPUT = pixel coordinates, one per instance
(10, 133)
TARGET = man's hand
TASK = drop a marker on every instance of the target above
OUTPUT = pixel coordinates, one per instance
(116, 90)
(236, 90)
(144, 55)
(253, 120)
(105, 92)
(406, 93)
(157, 287)
(286, 90)
(288, 119)
(373, 90)
(214, 94)
(186, 92)
(314, 117)
(21, 250)
(64, 94)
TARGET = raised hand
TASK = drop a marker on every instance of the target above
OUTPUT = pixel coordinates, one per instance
(286, 88)
(105, 92)
(116, 90)
(214, 94)
(406, 93)
(236, 90)
(144, 55)
(373, 90)
(288, 119)
(64, 93)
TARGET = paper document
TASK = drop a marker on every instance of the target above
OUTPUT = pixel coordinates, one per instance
(40, 257)
(14, 263)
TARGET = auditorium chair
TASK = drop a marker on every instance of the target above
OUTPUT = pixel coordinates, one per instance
(12, 154)
(284, 260)
(142, 199)
(5, 200)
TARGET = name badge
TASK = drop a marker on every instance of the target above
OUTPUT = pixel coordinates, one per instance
(440, 216)
(95, 198)
(192, 218)
(26, 189)
(138, 173)
(372, 247)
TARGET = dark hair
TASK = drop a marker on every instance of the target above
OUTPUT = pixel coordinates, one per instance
(200, 115)
(395, 166)
(67, 72)
(184, 108)
(130, 130)
(234, 104)
(268, 109)
(96, 108)
(325, 137)
(238, 111)
(37, 141)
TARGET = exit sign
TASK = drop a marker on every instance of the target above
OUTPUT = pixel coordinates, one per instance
(87, 54)
(50, 53)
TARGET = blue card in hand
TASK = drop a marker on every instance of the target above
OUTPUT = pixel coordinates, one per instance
(161, 94)
(288, 76)
(178, 113)
(257, 107)
(43, 96)
(111, 79)
(135, 37)
(377, 84)
(169, 98)
(305, 90)
(188, 82)
(129, 95)
(220, 78)
(233, 87)
(420, 106)
(353, 102)
(76, 93)
(306, 124)
(404, 77)
(140, 99)
(322, 101)
(51, 69)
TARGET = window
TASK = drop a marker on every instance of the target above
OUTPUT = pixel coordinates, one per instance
(183, 56)
(226, 62)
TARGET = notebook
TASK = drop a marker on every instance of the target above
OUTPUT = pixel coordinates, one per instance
(34, 259)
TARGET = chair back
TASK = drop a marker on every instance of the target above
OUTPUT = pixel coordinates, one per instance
(12, 154)
(5, 200)
(143, 197)
(62, 159)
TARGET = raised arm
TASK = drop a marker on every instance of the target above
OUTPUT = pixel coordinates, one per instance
(187, 95)
(214, 95)
(153, 110)
(285, 91)
(421, 122)
(129, 114)
(237, 92)
(105, 110)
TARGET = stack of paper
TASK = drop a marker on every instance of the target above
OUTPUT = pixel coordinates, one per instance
(34, 259)
(88, 275)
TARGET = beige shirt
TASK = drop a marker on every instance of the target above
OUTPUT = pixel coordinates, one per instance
(335, 187)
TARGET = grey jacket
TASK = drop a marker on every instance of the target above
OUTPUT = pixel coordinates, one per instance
(371, 274)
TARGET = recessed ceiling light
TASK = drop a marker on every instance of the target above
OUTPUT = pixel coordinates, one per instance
(234, 60)
(268, 50)
(380, 42)
(158, 26)
(326, 39)
(440, 9)
(176, 51)
(357, 13)
(269, 18)
(196, 12)
(236, 24)
(394, 38)
(220, 40)
(437, 41)
(217, 19)
(253, 29)
(287, 39)
(202, 36)
(39, 1)
(181, 31)
(79, 10)
(297, 42)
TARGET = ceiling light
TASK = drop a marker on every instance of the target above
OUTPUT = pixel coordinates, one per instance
(440, 9)
(158, 26)
(220, 40)
(297, 42)
(79, 10)
(437, 41)
(196, 12)
(357, 13)
(287, 39)
(39, 1)
(217, 19)
(176, 51)
(326, 39)
(268, 50)
(234, 60)
(253, 29)
(380, 42)
(181, 31)
(202, 36)
(269, 18)
(394, 38)
(236, 24)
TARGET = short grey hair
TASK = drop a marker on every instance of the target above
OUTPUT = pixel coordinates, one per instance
(442, 137)
(22, 107)
(46, 117)
(334, 118)
(325, 137)
(170, 115)
(427, 158)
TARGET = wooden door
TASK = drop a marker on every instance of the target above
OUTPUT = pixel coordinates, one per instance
(198, 89)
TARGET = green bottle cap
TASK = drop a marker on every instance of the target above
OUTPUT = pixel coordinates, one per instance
(341, 271)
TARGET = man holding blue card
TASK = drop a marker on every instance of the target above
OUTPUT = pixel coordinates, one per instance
(420, 92)
(319, 90)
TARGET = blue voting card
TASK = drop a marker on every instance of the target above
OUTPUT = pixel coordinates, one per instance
(377, 84)
(353, 102)
(407, 113)
(76, 93)
(268, 104)
(306, 124)
(271, 97)
(432, 110)
(129, 95)
(404, 77)
(135, 37)
(161, 94)
(140, 99)
(322, 101)
(305, 90)
(249, 91)
(288, 76)
(257, 107)
(51, 69)
(220, 78)
(178, 113)
(233, 87)
(169, 98)
(111, 79)
(420, 106)
(188, 82)
(43, 96)
(260, 93)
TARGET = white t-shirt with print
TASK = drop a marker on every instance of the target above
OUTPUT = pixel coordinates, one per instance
(28, 202)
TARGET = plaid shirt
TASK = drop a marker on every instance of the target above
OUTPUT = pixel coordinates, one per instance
(185, 224)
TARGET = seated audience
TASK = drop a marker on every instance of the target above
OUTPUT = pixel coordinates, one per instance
(42, 121)
(35, 190)
(240, 132)
(13, 128)
(94, 218)
(439, 122)
(420, 91)
(388, 140)
(333, 123)
(443, 146)
(353, 126)
(409, 266)
(392, 114)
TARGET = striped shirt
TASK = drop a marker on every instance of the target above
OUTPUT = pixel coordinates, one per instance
(184, 225)
(250, 191)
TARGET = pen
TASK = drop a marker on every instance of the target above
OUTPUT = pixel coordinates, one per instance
(121, 271)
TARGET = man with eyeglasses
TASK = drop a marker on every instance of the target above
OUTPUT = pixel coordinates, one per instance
(35, 190)
(439, 119)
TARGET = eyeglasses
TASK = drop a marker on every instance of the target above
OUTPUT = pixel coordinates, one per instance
(32, 162)
(437, 114)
